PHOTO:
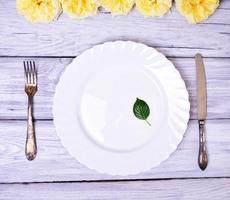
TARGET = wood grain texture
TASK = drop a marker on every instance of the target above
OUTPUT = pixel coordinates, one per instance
(13, 100)
(53, 163)
(197, 189)
(170, 34)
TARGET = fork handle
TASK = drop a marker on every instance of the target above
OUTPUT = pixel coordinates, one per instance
(203, 157)
(31, 147)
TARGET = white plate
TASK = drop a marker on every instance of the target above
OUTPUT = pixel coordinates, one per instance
(93, 108)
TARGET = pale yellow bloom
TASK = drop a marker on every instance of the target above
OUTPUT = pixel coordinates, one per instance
(153, 7)
(39, 10)
(196, 10)
(80, 8)
(117, 7)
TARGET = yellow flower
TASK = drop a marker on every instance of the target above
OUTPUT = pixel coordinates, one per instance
(117, 7)
(196, 10)
(80, 8)
(153, 7)
(39, 10)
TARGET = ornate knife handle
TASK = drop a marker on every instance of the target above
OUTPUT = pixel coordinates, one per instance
(203, 157)
(31, 147)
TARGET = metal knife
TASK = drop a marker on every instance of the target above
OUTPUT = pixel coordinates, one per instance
(201, 110)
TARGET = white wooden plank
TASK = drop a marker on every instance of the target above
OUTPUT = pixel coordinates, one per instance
(171, 34)
(13, 100)
(53, 163)
(217, 189)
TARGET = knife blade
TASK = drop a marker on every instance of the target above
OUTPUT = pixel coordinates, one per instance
(201, 110)
(201, 88)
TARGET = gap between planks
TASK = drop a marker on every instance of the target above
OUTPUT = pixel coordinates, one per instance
(72, 57)
(114, 180)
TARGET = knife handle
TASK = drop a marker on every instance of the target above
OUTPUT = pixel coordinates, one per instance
(203, 157)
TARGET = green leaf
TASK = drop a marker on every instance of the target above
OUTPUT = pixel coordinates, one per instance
(141, 110)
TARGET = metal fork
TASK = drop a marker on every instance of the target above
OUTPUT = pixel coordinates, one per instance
(30, 89)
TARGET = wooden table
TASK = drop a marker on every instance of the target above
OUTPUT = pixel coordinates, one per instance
(54, 174)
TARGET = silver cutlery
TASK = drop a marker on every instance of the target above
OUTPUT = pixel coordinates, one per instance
(30, 89)
(201, 110)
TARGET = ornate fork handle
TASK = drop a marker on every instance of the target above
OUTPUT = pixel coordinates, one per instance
(203, 157)
(31, 147)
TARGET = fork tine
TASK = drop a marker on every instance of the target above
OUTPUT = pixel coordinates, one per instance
(35, 73)
(26, 71)
(31, 73)
(29, 63)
